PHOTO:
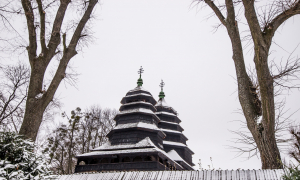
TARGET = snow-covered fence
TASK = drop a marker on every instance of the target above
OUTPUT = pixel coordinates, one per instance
(180, 175)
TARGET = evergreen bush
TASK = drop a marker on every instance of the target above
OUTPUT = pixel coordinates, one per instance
(291, 173)
(18, 159)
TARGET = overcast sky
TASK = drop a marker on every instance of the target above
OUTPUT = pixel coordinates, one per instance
(173, 41)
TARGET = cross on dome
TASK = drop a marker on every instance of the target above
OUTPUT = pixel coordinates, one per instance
(140, 81)
(161, 94)
(140, 71)
(162, 84)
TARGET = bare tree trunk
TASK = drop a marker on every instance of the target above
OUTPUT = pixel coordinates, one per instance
(38, 99)
(34, 106)
(263, 133)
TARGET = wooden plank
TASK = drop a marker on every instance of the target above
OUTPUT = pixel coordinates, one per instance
(259, 175)
(243, 175)
(134, 175)
(279, 173)
(199, 175)
(121, 174)
(215, 175)
(179, 175)
(155, 175)
(159, 175)
(127, 175)
(223, 175)
(92, 176)
(147, 175)
(165, 175)
(234, 175)
(187, 174)
(247, 174)
(268, 174)
(140, 175)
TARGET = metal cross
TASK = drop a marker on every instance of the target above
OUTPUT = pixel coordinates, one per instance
(140, 71)
(162, 84)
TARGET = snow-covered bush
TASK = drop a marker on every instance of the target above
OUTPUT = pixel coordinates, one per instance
(291, 173)
(18, 159)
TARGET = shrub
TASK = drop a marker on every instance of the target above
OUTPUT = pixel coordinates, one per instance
(18, 159)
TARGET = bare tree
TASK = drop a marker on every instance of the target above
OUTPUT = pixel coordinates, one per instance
(257, 101)
(295, 147)
(96, 125)
(46, 45)
(13, 86)
(83, 132)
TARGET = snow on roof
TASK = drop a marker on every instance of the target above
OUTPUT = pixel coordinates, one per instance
(162, 102)
(144, 110)
(174, 143)
(139, 94)
(139, 124)
(143, 143)
(169, 122)
(124, 151)
(166, 113)
(135, 110)
(172, 131)
(175, 156)
(274, 174)
(138, 102)
(139, 88)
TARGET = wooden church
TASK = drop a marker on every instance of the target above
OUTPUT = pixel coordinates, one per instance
(147, 137)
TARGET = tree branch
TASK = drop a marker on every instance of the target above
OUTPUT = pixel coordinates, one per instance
(216, 11)
(68, 54)
(282, 17)
(77, 34)
(253, 23)
(26, 4)
(230, 10)
(42, 23)
(55, 34)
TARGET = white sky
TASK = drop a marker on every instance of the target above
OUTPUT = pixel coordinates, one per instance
(174, 42)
